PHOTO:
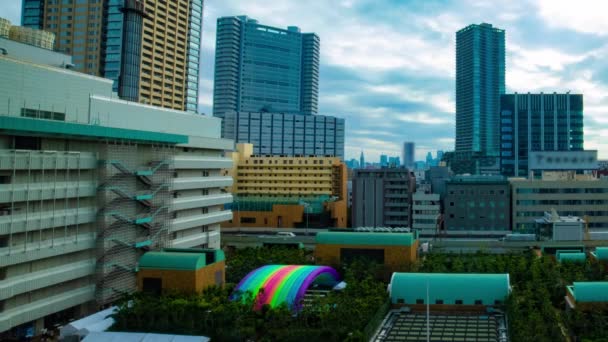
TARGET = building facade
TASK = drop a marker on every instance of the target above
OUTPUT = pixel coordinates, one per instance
(149, 48)
(426, 211)
(287, 192)
(477, 205)
(263, 68)
(568, 193)
(382, 197)
(86, 190)
(409, 154)
(282, 134)
(480, 80)
(538, 122)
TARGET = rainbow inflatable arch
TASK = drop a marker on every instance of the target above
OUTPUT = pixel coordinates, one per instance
(277, 284)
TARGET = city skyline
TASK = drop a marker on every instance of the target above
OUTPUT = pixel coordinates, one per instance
(396, 82)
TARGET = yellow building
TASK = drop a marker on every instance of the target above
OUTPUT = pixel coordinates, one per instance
(287, 192)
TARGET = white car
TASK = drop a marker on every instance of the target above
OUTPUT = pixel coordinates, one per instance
(286, 234)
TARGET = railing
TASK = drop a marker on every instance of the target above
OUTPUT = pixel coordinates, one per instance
(147, 218)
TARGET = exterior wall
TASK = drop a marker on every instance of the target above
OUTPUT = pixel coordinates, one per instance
(396, 258)
(538, 122)
(568, 196)
(382, 198)
(187, 281)
(281, 216)
(426, 209)
(285, 79)
(478, 103)
(286, 134)
(477, 205)
(52, 246)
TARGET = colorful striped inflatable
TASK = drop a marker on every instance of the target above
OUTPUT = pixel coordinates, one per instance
(277, 284)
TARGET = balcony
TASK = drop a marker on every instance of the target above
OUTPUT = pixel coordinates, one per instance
(46, 191)
(49, 248)
(47, 160)
(36, 280)
(200, 201)
(194, 240)
(200, 183)
(200, 220)
(201, 162)
(44, 307)
(18, 223)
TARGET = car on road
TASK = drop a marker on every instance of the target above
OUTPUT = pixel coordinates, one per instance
(286, 234)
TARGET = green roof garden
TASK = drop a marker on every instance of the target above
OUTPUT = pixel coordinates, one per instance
(367, 239)
(590, 292)
(180, 259)
(449, 288)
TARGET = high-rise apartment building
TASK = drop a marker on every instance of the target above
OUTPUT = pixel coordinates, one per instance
(480, 80)
(409, 154)
(260, 68)
(149, 48)
(538, 122)
(287, 192)
(85, 190)
(282, 134)
(382, 197)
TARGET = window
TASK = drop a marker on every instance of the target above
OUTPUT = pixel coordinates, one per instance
(5, 179)
(247, 219)
(498, 302)
(400, 301)
(451, 204)
(419, 301)
(478, 302)
(4, 241)
(439, 301)
(458, 302)
(27, 143)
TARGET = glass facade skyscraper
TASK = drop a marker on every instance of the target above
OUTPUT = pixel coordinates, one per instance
(538, 122)
(480, 80)
(260, 68)
(155, 56)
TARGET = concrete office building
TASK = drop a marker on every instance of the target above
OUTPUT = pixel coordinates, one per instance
(568, 193)
(280, 134)
(437, 176)
(538, 122)
(149, 48)
(426, 210)
(264, 68)
(480, 80)
(382, 197)
(287, 192)
(477, 205)
(86, 189)
(409, 154)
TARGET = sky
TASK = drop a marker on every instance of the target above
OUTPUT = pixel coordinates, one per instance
(388, 66)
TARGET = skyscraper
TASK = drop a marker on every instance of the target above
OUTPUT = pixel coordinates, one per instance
(538, 122)
(149, 48)
(480, 80)
(362, 161)
(260, 68)
(409, 154)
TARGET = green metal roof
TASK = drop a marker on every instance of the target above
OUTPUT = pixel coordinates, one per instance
(449, 287)
(373, 239)
(29, 126)
(602, 253)
(594, 291)
(179, 259)
(572, 257)
(212, 254)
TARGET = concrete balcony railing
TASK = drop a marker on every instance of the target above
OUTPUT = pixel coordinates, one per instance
(19, 223)
(36, 280)
(200, 220)
(201, 162)
(46, 191)
(46, 249)
(187, 183)
(200, 201)
(46, 160)
(194, 240)
(44, 307)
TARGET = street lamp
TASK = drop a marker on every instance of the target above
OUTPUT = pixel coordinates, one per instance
(306, 205)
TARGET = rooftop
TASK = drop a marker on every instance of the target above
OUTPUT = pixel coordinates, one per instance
(596, 291)
(180, 259)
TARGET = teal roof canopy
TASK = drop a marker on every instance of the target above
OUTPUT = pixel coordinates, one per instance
(592, 291)
(602, 253)
(32, 126)
(467, 289)
(571, 256)
(369, 239)
(180, 259)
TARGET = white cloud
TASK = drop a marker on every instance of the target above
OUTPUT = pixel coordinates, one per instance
(587, 16)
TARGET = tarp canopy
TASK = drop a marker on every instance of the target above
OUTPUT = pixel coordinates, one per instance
(141, 337)
(75, 327)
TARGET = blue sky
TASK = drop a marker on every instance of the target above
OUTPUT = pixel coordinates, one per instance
(387, 66)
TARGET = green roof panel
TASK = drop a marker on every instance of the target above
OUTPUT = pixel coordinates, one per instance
(602, 253)
(173, 261)
(592, 291)
(370, 239)
(577, 257)
(409, 288)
